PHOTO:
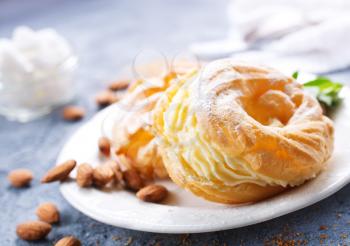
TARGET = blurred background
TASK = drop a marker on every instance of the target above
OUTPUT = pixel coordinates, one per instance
(106, 36)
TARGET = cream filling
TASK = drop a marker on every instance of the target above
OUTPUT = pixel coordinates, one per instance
(190, 143)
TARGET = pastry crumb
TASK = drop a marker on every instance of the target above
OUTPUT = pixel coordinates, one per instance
(129, 242)
(323, 228)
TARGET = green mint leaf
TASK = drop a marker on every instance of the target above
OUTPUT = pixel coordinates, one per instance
(324, 89)
(295, 74)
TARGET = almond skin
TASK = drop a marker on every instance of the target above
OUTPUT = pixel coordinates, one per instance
(33, 230)
(106, 98)
(20, 177)
(102, 175)
(85, 175)
(73, 113)
(68, 241)
(132, 179)
(59, 173)
(119, 85)
(152, 193)
(104, 145)
(48, 213)
(118, 175)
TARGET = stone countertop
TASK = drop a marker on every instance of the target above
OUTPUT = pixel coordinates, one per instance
(107, 35)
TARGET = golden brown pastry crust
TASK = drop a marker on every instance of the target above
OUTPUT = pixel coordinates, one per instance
(237, 133)
(134, 143)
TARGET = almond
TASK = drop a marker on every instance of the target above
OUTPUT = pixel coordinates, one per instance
(48, 212)
(104, 146)
(132, 179)
(20, 177)
(33, 230)
(73, 113)
(118, 175)
(119, 85)
(84, 175)
(102, 175)
(68, 241)
(106, 98)
(152, 193)
(59, 173)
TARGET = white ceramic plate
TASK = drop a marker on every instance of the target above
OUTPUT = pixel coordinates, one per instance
(183, 212)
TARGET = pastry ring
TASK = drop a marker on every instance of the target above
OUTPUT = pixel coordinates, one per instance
(133, 140)
(237, 133)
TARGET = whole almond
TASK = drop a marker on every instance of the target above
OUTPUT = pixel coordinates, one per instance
(106, 98)
(68, 241)
(102, 175)
(33, 230)
(20, 177)
(118, 175)
(60, 172)
(73, 113)
(48, 212)
(84, 175)
(104, 145)
(132, 179)
(119, 85)
(152, 193)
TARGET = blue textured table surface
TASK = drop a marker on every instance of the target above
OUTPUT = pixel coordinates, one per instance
(106, 35)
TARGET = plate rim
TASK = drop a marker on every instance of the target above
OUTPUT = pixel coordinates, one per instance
(178, 229)
(203, 229)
